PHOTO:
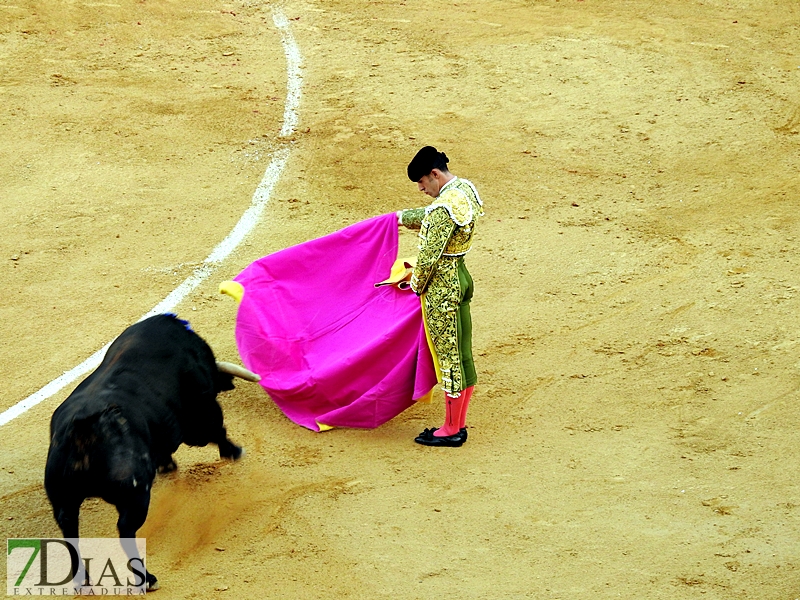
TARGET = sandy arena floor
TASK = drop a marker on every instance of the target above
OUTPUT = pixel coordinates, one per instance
(634, 431)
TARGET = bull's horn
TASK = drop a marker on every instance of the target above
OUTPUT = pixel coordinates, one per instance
(237, 371)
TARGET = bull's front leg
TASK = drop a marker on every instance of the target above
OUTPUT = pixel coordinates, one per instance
(227, 449)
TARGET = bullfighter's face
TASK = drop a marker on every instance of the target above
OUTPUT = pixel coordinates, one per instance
(430, 184)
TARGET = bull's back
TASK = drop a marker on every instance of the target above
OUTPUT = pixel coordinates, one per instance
(160, 344)
(162, 358)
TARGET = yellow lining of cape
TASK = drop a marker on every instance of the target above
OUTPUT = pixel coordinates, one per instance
(429, 396)
(234, 289)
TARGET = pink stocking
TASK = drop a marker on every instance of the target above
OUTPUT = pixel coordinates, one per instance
(453, 407)
(467, 395)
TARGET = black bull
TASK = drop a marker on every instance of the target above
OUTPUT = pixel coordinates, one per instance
(155, 389)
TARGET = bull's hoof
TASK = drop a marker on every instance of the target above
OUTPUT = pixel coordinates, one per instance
(231, 451)
(152, 582)
(168, 467)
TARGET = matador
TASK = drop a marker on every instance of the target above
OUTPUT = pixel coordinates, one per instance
(441, 279)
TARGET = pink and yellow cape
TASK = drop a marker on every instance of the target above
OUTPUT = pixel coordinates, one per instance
(332, 348)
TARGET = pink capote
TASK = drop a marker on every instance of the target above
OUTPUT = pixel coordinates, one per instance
(330, 347)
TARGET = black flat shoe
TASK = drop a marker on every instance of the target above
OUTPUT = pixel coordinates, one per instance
(463, 432)
(426, 438)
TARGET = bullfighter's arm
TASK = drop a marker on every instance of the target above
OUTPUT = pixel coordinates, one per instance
(433, 240)
(411, 218)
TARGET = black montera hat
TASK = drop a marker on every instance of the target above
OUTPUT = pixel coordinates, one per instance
(426, 160)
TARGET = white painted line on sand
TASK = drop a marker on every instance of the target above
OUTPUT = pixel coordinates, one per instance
(246, 224)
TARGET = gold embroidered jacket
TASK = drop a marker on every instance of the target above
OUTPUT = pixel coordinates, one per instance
(447, 227)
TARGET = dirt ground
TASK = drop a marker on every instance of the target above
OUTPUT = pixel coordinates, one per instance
(633, 432)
